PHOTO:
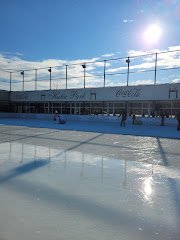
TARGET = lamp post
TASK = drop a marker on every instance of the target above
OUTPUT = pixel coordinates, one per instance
(22, 73)
(128, 62)
(49, 70)
(84, 67)
(155, 70)
(104, 73)
(66, 76)
(10, 75)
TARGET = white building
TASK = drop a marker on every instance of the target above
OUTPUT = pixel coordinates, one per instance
(139, 100)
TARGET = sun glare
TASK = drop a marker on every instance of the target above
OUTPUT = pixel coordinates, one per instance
(152, 34)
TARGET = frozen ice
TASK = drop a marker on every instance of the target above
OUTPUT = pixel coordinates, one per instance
(88, 183)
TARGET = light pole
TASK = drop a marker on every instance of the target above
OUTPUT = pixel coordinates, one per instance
(155, 70)
(66, 76)
(128, 62)
(49, 70)
(10, 80)
(22, 73)
(84, 67)
(104, 72)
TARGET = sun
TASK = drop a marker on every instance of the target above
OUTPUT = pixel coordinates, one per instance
(152, 34)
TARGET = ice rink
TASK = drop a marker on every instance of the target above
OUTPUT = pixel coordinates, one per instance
(62, 182)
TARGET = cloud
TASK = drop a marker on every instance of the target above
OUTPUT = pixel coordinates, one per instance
(116, 70)
(128, 20)
(176, 80)
(19, 54)
(108, 55)
(174, 48)
(143, 82)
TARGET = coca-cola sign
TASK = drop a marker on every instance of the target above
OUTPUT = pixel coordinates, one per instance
(129, 93)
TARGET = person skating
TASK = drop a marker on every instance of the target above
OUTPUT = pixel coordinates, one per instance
(178, 119)
(55, 115)
(123, 119)
(133, 119)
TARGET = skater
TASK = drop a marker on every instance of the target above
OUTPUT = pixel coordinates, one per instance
(178, 119)
(61, 120)
(133, 118)
(123, 119)
(162, 119)
(55, 115)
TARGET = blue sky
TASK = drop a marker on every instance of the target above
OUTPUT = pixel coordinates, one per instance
(39, 32)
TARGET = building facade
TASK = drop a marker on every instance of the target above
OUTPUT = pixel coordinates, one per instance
(142, 100)
(4, 101)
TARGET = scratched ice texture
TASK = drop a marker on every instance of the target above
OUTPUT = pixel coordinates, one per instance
(64, 184)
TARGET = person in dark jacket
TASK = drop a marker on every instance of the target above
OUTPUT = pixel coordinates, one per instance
(133, 118)
(55, 115)
(178, 119)
(162, 119)
(123, 119)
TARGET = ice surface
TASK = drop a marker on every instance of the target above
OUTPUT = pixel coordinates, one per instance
(66, 184)
(102, 127)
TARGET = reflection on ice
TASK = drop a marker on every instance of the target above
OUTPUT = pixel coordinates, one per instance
(22, 169)
(106, 167)
(58, 192)
(148, 189)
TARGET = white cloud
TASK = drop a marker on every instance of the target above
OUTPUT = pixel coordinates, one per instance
(174, 48)
(143, 82)
(128, 20)
(108, 55)
(176, 80)
(19, 54)
(139, 62)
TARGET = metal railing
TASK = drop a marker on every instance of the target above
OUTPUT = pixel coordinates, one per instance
(152, 68)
